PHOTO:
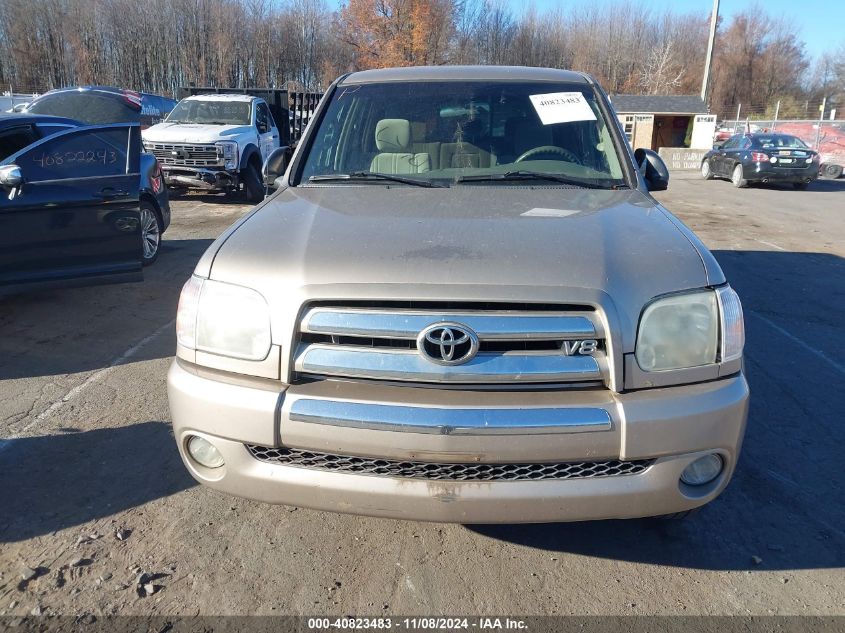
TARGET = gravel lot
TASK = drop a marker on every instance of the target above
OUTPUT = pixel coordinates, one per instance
(88, 451)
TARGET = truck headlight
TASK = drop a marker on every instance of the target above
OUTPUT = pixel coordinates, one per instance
(222, 318)
(679, 331)
(148, 145)
(228, 151)
(691, 329)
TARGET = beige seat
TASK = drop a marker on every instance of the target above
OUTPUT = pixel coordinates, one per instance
(420, 144)
(393, 141)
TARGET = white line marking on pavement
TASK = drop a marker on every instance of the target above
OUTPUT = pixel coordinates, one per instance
(837, 366)
(97, 375)
(781, 478)
(792, 484)
(780, 248)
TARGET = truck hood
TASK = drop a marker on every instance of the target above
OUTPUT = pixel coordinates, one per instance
(614, 250)
(192, 133)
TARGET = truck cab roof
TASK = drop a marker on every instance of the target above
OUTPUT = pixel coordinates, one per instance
(464, 73)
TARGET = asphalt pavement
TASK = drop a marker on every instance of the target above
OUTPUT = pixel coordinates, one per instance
(87, 451)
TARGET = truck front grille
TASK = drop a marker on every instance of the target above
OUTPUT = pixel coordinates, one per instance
(436, 471)
(516, 344)
(185, 155)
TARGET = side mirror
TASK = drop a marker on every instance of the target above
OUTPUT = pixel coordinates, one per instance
(275, 166)
(653, 169)
(718, 145)
(11, 176)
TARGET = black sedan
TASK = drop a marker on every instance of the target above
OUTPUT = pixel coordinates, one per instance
(101, 105)
(73, 203)
(69, 198)
(761, 157)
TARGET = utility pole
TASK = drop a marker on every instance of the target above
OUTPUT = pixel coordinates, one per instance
(705, 83)
(821, 118)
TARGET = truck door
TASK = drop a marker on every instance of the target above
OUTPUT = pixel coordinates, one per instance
(75, 213)
(268, 133)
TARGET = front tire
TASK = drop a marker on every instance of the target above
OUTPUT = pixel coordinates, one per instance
(253, 186)
(706, 172)
(737, 177)
(150, 232)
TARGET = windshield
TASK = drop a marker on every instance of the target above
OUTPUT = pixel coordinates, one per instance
(466, 132)
(210, 112)
(779, 140)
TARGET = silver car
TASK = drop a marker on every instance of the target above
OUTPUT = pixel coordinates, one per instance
(462, 304)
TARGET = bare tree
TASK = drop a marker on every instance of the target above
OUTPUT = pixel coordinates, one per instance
(660, 75)
(159, 45)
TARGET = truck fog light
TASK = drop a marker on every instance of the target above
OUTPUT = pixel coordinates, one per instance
(204, 452)
(703, 470)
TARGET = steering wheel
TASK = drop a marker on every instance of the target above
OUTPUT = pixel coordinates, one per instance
(549, 149)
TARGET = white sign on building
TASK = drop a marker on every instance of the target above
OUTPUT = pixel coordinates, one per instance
(703, 131)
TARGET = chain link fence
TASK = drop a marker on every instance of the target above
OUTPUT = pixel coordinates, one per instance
(8, 100)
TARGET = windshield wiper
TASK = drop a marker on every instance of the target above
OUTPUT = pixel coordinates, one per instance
(531, 175)
(373, 175)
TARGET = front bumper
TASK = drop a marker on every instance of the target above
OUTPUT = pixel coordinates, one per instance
(672, 426)
(217, 179)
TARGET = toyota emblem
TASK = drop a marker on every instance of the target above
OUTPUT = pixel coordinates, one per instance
(448, 343)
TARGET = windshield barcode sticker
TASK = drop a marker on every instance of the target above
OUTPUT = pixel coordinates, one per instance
(562, 107)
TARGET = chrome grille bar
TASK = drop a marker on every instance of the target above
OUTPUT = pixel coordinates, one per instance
(450, 421)
(517, 344)
(194, 155)
(407, 324)
(408, 365)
